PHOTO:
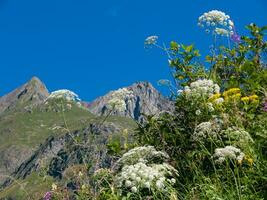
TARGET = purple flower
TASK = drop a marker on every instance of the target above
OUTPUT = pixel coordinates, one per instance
(236, 38)
(48, 196)
(265, 106)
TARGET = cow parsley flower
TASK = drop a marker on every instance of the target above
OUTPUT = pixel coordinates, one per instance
(228, 152)
(216, 22)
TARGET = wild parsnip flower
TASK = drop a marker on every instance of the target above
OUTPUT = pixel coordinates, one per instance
(216, 22)
(151, 40)
(228, 152)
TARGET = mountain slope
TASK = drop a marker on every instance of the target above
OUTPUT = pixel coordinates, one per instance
(143, 99)
(32, 93)
(39, 133)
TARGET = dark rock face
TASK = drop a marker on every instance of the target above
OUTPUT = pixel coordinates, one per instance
(144, 99)
(32, 93)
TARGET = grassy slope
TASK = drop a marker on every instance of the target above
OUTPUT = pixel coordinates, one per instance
(29, 130)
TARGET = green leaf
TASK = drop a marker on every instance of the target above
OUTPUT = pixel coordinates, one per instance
(189, 48)
(174, 46)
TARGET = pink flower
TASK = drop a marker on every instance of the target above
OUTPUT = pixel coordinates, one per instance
(48, 196)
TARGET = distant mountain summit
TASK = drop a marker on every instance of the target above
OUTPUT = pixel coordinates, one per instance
(141, 98)
(31, 93)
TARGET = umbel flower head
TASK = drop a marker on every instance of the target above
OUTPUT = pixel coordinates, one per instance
(146, 176)
(216, 22)
(147, 153)
(144, 168)
(228, 152)
(201, 88)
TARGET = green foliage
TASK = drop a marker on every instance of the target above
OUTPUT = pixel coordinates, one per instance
(203, 125)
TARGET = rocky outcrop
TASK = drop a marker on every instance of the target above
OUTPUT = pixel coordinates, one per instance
(32, 93)
(144, 99)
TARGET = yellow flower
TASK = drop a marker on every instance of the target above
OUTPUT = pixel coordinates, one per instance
(240, 162)
(253, 97)
(214, 97)
(245, 99)
(236, 96)
(231, 91)
(250, 161)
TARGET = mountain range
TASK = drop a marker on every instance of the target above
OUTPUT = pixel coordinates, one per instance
(41, 135)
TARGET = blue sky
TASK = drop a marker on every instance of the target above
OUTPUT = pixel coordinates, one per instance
(91, 47)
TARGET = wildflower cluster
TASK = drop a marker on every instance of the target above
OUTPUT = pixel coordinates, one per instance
(206, 130)
(232, 94)
(64, 94)
(216, 99)
(228, 152)
(201, 88)
(118, 98)
(217, 22)
(144, 176)
(148, 153)
(143, 168)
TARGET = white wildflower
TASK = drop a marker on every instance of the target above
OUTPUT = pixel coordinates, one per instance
(151, 40)
(230, 152)
(146, 153)
(198, 112)
(222, 32)
(134, 189)
(144, 175)
(216, 22)
(206, 130)
(201, 88)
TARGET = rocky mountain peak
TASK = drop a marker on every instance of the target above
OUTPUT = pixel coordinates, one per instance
(31, 93)
(143, 98)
